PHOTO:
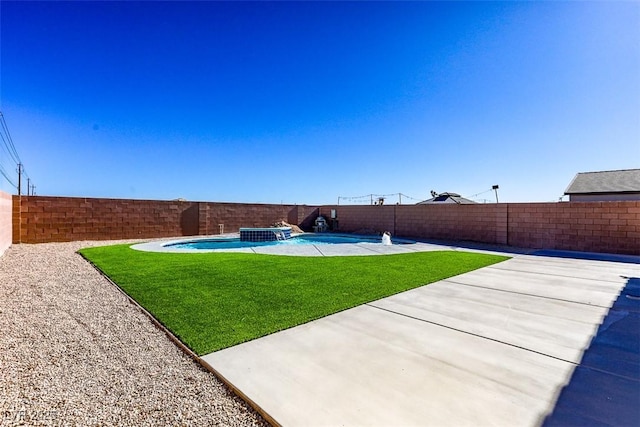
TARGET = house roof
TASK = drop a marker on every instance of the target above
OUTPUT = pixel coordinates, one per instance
(443, 197)
(618, 181)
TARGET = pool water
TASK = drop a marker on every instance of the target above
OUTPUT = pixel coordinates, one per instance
(303, 239)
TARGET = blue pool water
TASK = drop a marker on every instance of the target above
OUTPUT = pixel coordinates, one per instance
(303, 239)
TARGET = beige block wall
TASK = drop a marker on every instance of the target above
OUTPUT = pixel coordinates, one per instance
(6, 227)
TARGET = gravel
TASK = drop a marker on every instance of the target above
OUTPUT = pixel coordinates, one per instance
(74, 351)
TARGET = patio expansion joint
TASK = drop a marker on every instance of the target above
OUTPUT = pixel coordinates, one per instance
(526, 294)
(411, 248)
(369, 249)
(496, 267)
(469, 333)
(318, 249)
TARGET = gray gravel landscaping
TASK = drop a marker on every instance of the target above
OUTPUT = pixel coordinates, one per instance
(75, 351)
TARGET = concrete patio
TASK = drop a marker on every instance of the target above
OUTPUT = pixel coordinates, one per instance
(496, 346)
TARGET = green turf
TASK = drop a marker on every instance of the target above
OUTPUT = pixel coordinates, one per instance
(215, 300)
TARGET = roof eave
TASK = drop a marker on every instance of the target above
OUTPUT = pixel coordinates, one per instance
(602, 192)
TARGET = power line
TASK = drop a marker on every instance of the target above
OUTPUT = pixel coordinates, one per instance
(493, 188)
(482, 192)
(12, 154)
(12, 147)
(6, 176)
(411, 198)
(5, 147)
(369, 198)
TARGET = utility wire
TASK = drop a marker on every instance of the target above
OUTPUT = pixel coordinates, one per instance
(409, 197)
(482, 192)
(6, 149)
(5, 128)
(10, 149)
(6, 176)
(370, 197)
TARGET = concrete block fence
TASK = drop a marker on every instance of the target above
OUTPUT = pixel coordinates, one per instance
(610, 227)
(39, 219)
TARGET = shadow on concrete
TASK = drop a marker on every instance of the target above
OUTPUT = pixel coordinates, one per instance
(605, 388)
(594, 256)
(629, 259)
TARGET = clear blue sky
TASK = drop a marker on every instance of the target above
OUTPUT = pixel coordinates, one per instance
(304, 102)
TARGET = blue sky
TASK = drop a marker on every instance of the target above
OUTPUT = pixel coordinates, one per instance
(302, 102)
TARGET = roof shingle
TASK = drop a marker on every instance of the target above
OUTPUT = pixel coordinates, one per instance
(618, 181)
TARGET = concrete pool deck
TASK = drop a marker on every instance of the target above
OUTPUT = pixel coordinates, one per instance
(343, 249)
(496, 346)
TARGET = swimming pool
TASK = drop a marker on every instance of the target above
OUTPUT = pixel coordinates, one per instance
(302, 239)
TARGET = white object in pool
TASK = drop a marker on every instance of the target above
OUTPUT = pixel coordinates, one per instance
(386, 238)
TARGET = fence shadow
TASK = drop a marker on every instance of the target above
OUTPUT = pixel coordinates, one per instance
(605, 388)
(189, 220)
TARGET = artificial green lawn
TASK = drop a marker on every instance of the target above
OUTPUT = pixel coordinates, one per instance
(215, 300)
